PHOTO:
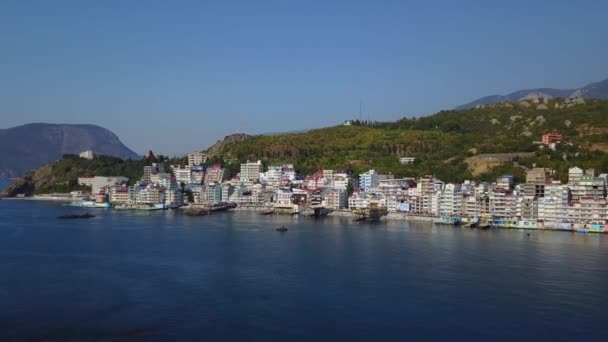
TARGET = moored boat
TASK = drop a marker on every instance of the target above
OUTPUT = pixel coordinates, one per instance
(449, 220)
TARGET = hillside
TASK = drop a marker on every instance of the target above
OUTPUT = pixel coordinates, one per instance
(596, 90)
(26, 147)
(62, 175)
(442, 142)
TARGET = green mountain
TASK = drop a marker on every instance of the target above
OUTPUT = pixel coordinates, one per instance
(453, 145)
(62, 175)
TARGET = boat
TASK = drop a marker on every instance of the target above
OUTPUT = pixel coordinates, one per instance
(360, 218)
(76, 216)
(197, 211)
(90, 204)
(282, 229)
(373, 213)
(474, 222)
(267, 212)
(449, 220)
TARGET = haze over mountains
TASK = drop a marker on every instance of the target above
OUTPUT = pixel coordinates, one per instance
(29, 146)
(595, 90)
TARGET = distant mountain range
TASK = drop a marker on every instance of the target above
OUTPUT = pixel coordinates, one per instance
(26, 147)
(596, 90)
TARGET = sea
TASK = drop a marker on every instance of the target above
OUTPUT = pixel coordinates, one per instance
(231, 276)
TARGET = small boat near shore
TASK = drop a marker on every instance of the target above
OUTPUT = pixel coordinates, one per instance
(282, 229)
(75, 216)
(448, 220)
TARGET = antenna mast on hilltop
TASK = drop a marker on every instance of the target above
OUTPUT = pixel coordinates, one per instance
(360, 110)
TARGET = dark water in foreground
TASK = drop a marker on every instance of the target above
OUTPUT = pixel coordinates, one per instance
(232, 277)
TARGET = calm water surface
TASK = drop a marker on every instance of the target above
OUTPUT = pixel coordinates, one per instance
(163, 276)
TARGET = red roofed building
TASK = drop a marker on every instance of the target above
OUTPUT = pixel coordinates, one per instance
(550, 138)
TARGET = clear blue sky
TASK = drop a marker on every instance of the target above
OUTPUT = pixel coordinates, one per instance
(175, 76)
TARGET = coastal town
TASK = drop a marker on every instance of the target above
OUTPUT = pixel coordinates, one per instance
(541, 202)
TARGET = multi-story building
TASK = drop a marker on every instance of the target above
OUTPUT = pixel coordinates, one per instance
(183, 173)
(551, 138)
(407, 160)
(86, 154)
(588, 186)
(588, 210)
(197, 158)
(227, 191)
(151, 194)
(250, 171)
(86, 180)
(450, 200)
(502, 203)
(150, 170)
(536, 178)
(100, 182)
(336, 199)
(505, 182)
(284, 199)
(215, 174)
(358, 200)
(369, 179)
(174, 198)
(213, 194)
(122, 195)
(574, 174)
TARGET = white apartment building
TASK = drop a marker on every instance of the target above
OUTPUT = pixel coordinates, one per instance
(197, 158)
(502, 204)
(100, 182)
(450, 200)
(574, 174)
(407, 160)
(86, 154)
(284, 199)
(86, 181)
(183, 173)
(588, 210)
(251, 170)
(122, 195)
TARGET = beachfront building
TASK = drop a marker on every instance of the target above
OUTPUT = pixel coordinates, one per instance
(588, 210)
(122, 195)
(335, 199)
(502, 203)
(284, 199)
(450, 200)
